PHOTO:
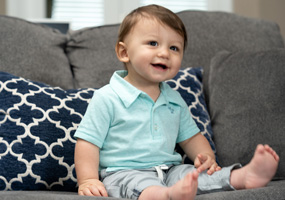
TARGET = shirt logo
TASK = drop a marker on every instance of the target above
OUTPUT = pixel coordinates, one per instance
(171, 109)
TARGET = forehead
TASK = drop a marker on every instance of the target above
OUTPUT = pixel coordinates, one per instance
(147, 26)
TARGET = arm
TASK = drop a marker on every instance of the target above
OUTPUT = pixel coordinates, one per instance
(198, 149)
(86, 159)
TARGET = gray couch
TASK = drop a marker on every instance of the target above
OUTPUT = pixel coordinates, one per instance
(243, 63)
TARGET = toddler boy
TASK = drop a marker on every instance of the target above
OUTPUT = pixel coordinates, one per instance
(126, 140)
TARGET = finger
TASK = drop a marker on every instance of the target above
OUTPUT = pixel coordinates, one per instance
(202, 158)
(87, 192)
(95, 191)
(197, 163)
(103, 191)
(203, 167)
(212, 169)
(80, 193)
(218, 168)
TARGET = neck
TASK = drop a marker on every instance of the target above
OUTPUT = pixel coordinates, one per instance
(153, 90)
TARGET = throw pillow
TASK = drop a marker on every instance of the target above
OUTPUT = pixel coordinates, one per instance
(37, 124)
(247, 104)
(188, 82)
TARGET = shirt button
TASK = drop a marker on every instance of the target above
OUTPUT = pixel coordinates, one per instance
(155, 127)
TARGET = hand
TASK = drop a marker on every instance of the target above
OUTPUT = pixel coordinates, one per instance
(205, 161)
(92, 187)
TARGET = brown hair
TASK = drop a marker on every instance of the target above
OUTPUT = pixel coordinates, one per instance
(160, 13)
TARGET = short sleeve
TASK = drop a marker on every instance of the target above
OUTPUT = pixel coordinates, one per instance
(96, 121)
(188, 128)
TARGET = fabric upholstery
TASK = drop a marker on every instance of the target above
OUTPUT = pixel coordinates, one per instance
(247, 104)
(43, 54)
(188, 82)
(92, 55)
(211, 32)
(37, 124)
(275, 190)
(94, 60)
(34, 51)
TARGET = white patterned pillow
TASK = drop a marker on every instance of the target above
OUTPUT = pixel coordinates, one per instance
(37, 124)
(188, 82)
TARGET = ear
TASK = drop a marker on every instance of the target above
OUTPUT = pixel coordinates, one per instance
(122, 53)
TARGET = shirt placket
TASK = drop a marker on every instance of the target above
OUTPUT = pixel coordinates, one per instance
(156, 133)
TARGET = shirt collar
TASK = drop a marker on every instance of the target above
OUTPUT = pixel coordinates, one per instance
(128, 93)
(170, 95)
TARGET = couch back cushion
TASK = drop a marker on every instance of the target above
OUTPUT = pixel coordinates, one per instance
(92, 54)
(212, 32)
(247, 104)
(34, 51)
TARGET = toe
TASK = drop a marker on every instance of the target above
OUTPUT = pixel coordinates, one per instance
(260, 148)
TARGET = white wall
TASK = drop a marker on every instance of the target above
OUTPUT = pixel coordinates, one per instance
(26, 8)
(221, 5)
(115, 10)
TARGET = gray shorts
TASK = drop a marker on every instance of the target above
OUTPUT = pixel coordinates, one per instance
(130, 183)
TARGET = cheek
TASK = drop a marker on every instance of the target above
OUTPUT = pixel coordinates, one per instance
(177, 62)
(142, 57)
(176, 70)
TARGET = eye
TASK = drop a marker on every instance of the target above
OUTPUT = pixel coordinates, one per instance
(153, 43)
(174, 48)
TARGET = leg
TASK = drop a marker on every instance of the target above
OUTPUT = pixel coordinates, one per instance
(219, 181)
(259, 171)
(129, 183)
(145, 184)
(184, 189)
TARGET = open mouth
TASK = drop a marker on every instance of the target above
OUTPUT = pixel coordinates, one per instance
(161, 66)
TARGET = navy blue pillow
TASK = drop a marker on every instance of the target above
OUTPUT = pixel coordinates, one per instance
(188, 82)
(37, 124)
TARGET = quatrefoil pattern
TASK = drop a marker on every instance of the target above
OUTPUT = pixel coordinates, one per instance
(37, 124)
(188, 82)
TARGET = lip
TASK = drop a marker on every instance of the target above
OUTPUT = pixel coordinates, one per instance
(160, 66)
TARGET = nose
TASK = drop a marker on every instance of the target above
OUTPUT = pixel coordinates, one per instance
(163, 53)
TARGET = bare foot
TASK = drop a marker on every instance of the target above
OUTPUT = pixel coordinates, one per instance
(186, 188)
(259, 171)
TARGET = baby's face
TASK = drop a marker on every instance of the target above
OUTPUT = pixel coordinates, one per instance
(154, 51)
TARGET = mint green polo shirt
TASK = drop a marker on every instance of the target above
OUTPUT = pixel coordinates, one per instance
(131, 130)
